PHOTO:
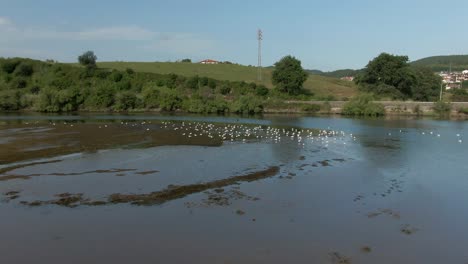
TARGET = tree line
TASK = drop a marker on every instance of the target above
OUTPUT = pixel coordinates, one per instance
(27, 84)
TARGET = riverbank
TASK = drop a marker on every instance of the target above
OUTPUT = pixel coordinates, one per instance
(403, 108)
(458, 110)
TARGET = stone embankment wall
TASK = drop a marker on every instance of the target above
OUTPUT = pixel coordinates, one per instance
(392, 107)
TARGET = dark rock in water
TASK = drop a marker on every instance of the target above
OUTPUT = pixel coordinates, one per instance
(324, 163)
(240, 212)
(408, 230)
(366, 249)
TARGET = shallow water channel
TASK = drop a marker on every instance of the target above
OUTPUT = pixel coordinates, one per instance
(195, 189)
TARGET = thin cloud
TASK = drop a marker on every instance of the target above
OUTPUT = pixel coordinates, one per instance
(143, 39)
(130, 33)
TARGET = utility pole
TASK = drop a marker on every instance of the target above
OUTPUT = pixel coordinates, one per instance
(441, 85)
(259, 70)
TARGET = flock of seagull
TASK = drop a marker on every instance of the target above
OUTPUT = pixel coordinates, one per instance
(245, 133)
(236, 132)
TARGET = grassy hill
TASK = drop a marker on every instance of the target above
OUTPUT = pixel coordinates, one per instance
(442, 63)
(33, 85)
(335, 74)
(320, 86)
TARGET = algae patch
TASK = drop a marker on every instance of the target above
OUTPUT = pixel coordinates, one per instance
(177, 192)
(172, 192)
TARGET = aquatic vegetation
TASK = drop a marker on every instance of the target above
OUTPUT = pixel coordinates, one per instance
(170, 193)
(177, 192)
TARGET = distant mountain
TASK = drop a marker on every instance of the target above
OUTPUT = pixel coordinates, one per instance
(442, 63)
(335, 74)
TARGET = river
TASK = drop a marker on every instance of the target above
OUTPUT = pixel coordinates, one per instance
(209, 189)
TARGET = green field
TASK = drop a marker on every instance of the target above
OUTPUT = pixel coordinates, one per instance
(320, 86)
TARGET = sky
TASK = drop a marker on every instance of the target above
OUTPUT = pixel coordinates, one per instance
(325, 35)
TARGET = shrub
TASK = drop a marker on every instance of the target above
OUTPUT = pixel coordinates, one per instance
(9, 66)
(88, 72)
(48, 101)
(35, 89)
(169, 100)
(103, 74)
(9, 100)
(129, 71)
(151, 97)
(116, 76)
(101, 97)
(160, 83)
(212, 84)
(261, 90)
(192, 82)
(362, 105)
(19, 83)
(24, 69)
(194, 105)
(463, 111)
(247, 105)
(124, 86)
(125, 100)
(61, 83)
(51, 100)
(204, 81)
(313, 108)
(442, 108)
(8, 78)
(225, 88)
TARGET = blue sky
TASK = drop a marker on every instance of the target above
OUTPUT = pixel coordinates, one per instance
(324, 35)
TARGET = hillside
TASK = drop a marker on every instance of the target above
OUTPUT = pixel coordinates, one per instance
(442, 63)
(321, 86)
(33, 85)
(335, 74)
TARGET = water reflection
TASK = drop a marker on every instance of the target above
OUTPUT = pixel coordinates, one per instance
(366, 193)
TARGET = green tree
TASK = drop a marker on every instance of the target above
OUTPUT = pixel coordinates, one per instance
(289, 76)
(392, 75)
(187, 60)
(427, 86)
(88, 59)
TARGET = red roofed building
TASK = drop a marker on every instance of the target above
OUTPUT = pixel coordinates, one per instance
(208, 61)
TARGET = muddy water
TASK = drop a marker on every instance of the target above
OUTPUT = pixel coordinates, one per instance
(191, 189)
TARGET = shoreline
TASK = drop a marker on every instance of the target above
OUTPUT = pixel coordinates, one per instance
(327, 108)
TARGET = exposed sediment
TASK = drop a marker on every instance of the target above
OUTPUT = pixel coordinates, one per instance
(155, 198)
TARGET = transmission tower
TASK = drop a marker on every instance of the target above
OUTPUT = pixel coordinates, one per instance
(259, 70)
